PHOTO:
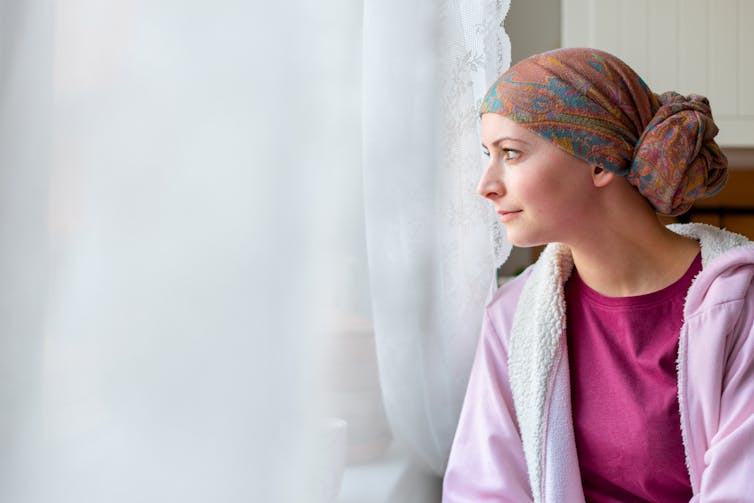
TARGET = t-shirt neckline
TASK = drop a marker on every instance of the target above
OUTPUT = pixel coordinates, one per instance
(679, 287)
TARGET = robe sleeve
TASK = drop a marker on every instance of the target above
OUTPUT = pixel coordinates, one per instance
(487, 460)
(728, 473)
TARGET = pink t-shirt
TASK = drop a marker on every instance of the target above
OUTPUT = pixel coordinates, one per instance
(622, 353)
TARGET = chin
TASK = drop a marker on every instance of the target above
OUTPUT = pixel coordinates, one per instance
(525, 240)
(528, 244)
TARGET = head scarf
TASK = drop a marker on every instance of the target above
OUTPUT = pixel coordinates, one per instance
(595, 107)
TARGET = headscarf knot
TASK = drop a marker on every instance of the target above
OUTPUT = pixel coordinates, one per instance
(676, 160)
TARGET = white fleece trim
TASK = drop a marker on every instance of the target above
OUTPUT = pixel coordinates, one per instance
(714, 242)
(680, 371)
(538, 324)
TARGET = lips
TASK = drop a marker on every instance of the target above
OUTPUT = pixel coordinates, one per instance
(507, 216)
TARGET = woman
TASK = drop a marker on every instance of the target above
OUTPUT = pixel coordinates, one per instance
(620, 366)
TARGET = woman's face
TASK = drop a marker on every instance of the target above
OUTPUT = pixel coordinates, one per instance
(541, 193)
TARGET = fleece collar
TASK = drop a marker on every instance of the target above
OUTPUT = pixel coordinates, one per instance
(714, 242)
(539, 327)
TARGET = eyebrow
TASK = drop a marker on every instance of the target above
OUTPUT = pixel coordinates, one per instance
(504, 138)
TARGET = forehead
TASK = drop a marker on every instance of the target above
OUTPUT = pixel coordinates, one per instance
(496, 126)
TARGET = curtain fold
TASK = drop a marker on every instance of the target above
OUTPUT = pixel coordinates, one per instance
(433, 244)
(172, 174)
(26, 55)
(181, 188)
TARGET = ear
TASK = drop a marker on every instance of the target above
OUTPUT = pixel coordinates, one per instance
(602, 177)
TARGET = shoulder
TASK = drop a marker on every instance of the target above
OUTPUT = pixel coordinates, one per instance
(721, 299)
(726, 277)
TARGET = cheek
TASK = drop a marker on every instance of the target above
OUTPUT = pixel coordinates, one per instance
(554, 201)
(542, 193)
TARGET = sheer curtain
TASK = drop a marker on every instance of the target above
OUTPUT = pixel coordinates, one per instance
(182, 191)
(171, 184)
(433, 244)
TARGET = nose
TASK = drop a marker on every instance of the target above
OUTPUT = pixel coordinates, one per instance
(491, 184)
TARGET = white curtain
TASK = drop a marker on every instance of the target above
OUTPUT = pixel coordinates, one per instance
(433, 243)
(181, 219)
(170, 185)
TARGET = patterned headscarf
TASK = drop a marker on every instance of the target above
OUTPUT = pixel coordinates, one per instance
(595, 107)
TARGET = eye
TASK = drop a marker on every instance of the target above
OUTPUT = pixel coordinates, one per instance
(510, 155)
(486, 152)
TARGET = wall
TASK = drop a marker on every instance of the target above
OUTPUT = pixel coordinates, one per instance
(533, 27)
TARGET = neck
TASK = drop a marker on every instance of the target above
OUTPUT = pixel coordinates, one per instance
(641, 257)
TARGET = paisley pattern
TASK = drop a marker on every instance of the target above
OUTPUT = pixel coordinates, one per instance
(595, 107)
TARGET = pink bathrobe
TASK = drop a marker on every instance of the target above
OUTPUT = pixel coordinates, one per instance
(515, 441)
